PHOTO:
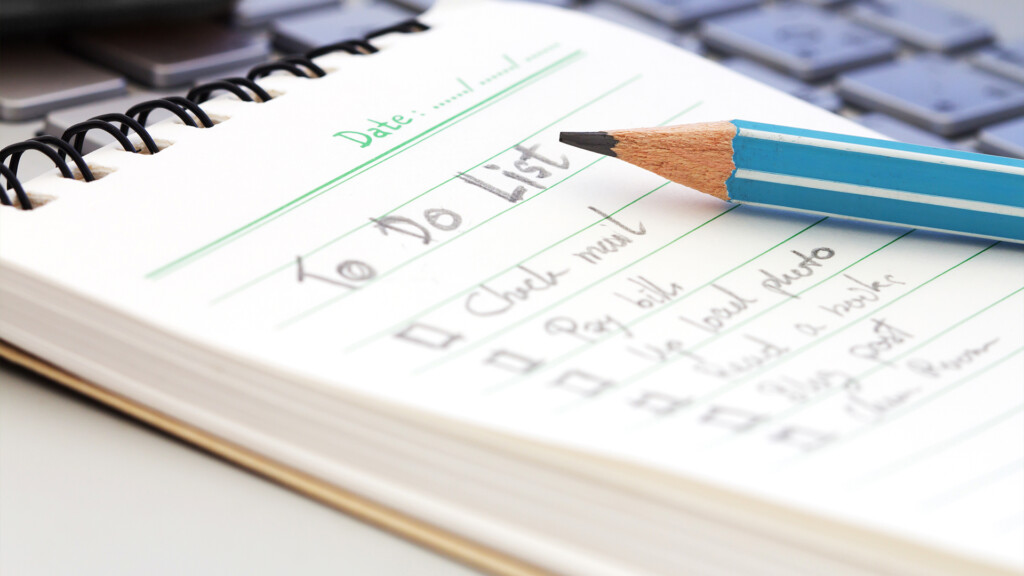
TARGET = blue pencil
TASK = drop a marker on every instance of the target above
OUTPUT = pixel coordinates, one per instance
(830, 174)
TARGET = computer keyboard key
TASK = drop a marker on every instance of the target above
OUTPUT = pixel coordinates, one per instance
(818, 96)
(60, 120)
(250, 13)
(1006, 139)
(923, 24)
(690, 43)
(173, 55)
(306, 31)
(900, 130)
(681, 13)
(630, 19)
(826, 3)
(35, 79)
(1007, 60)
(807, 42)
(932, 91)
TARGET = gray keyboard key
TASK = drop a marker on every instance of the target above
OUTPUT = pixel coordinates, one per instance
(1006, 139)
(559, 3)
(686, 12)
(60, 120)
(825, 3)
(923, 24)
(807, 42)
(318, 28)
(1007, 60)
(173, 55)
(249, 13)
(932, 91)
(899, 130)
(818, 96)
(37, 79)
(629, 19)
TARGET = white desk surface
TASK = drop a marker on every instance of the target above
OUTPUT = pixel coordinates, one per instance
(84, 490)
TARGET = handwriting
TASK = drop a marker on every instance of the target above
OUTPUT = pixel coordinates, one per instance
(864, 293)
(806, 388)
(872, 410)
(745, 362)
(438, 218)
(587, 331)
(650, 294)
(522, 164)
(657, 352)
(352, 270)
(804, 269)
(609, 244)
(718, 316)
(490, 302)
(935, 369)
(886, 337)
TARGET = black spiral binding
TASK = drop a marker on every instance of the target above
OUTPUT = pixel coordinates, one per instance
(186, 108)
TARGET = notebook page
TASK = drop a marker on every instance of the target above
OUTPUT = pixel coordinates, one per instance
(409, 226)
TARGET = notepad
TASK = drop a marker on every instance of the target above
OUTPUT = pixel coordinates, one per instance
(393, 280)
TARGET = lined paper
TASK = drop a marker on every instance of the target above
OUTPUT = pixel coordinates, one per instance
(468, 264)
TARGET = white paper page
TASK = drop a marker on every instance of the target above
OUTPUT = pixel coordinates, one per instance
(409, 226)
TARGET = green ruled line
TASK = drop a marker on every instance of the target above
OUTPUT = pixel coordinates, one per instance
(475, 286)
(940, 447)
(737, 381)
(662, 365)
(289, 265)
(865, 374)
(896, 415)
(335, 299)
(546, 309)
(966, 488)
(246, 229)
(636, 321)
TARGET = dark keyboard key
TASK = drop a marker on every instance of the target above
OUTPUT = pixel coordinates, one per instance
(249, 13)
(818, 96)
(923, 24)
(172, 55)
(932, 91)
(690, 43)
(630, 19)
(1007, 60)
(899, 130)
(685, 12)
(825, 3)
(307, 31)
(37, 79)
(1006, 139)
(807, 42)
(60, 120)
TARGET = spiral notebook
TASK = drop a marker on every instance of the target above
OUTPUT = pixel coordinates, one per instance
(374, 275)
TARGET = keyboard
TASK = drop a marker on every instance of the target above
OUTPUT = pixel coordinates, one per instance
(917, 71)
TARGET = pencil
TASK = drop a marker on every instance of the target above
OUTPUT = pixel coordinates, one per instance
(829, 174)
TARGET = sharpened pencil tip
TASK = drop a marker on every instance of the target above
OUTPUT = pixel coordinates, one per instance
(600, 142)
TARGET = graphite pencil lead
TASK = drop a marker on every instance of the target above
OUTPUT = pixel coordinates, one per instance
(600, 142)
